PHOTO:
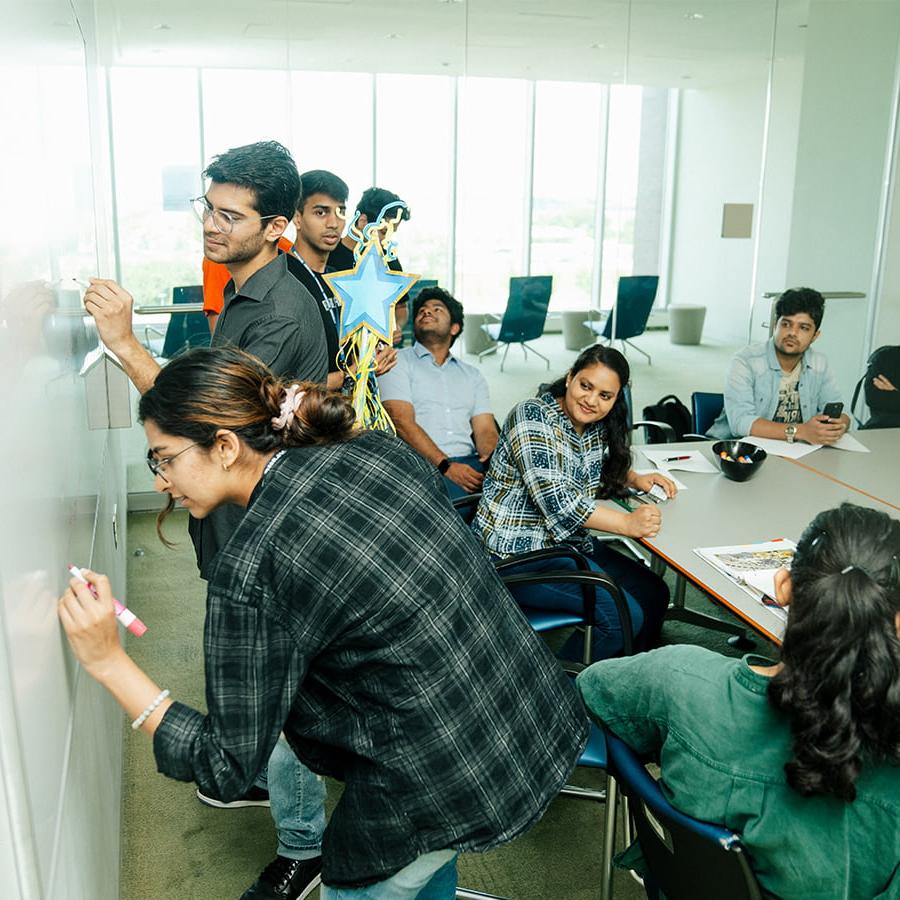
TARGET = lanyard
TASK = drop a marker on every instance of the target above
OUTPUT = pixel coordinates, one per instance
(326, 297)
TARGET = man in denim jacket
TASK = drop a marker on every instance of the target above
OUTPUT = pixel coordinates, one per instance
(779, 389)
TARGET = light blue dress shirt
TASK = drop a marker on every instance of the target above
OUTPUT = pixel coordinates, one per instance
(751, 390)
(445, 398)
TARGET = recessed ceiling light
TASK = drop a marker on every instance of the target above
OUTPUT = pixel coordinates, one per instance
(694, 16)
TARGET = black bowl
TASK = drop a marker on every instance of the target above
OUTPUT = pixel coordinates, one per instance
(739, 471)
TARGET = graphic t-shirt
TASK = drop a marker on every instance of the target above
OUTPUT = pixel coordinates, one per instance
(788, 409)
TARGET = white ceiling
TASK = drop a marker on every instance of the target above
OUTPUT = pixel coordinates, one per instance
(666, 42)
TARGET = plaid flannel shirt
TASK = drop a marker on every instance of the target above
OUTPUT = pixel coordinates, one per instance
(542, 481)
(353, 610)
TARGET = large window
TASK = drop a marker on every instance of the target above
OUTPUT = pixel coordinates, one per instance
(567, 143)
(526, 161)
(491, 211)
(157, 168)
(241, 106)
(415, 160)
(332, 126)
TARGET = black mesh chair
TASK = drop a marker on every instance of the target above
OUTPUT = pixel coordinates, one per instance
(526, 313)
(686, 859)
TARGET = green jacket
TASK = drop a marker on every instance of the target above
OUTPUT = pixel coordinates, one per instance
(722, 749)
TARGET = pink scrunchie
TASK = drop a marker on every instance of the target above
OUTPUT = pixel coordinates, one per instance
(289, 406)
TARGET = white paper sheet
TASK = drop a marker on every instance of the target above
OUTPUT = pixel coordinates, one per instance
(685, 460)
(782, 448)
(849, 442)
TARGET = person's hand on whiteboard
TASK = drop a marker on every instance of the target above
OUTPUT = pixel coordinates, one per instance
(90, 623)
(110, 305)
(645, 483)
(643, 522)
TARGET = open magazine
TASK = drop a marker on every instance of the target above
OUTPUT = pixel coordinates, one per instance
(753, 567)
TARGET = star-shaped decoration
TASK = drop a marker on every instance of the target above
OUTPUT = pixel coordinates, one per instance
(369, 291)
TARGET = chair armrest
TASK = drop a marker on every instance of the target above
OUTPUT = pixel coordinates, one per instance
(561, 551)
(589, 582)
(466, 501)
(690, 436)
(627, 767)
(667, 431)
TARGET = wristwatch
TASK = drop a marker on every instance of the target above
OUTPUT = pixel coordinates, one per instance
(443, 465)
(790, 433)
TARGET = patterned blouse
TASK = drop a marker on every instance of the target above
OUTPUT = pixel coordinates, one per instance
(542, 482)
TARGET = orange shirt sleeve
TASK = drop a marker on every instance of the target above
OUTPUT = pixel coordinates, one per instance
(215, 277)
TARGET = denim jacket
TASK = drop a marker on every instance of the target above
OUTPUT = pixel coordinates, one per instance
(751, 391)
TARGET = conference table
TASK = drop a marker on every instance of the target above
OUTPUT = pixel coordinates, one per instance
(778, 502)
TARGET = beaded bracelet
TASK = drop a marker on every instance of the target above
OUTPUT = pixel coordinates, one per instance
(149, 710)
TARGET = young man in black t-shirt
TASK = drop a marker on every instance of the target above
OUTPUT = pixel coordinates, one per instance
(321, 213)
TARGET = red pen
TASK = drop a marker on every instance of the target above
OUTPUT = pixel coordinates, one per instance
(123, 614)
(676, 458)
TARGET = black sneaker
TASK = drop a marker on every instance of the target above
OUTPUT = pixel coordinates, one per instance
(255, 796)
(286, 879)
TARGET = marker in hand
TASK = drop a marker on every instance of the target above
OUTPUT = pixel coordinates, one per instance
(123, 614)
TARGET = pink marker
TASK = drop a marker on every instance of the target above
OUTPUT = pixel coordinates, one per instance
(123, 614)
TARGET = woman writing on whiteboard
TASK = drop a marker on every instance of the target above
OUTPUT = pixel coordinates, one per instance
(353, 611)
(558, 454)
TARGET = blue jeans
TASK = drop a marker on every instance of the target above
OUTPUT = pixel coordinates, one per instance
(453, 489)
(298, 803)
(431, 876)
(645, 592)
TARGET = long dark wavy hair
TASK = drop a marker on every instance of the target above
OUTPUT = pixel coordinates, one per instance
(840, 681)
(205, 390)
(618, 436)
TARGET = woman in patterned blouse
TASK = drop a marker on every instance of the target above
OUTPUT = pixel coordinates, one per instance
(558, 454)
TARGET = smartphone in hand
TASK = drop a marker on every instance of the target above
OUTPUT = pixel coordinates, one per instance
(833, 410)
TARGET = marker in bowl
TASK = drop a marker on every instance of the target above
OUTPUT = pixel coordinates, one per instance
(123, 614)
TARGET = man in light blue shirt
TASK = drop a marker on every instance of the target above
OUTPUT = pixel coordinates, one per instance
(780, 389)
(439, 404)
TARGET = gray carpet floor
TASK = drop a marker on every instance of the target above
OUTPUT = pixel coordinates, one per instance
(175, 848)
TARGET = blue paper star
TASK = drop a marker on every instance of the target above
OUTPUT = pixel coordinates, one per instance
(369, 291)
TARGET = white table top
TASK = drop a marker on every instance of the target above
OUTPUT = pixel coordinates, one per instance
(876, 474)
(778, 502)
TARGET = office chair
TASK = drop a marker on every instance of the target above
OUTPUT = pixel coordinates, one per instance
(185, 330)
(526, 313)
(686, 859)
(705, 409)
(634, 301)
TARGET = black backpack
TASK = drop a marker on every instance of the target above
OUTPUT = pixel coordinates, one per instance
(883, 405)
(671, 411)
